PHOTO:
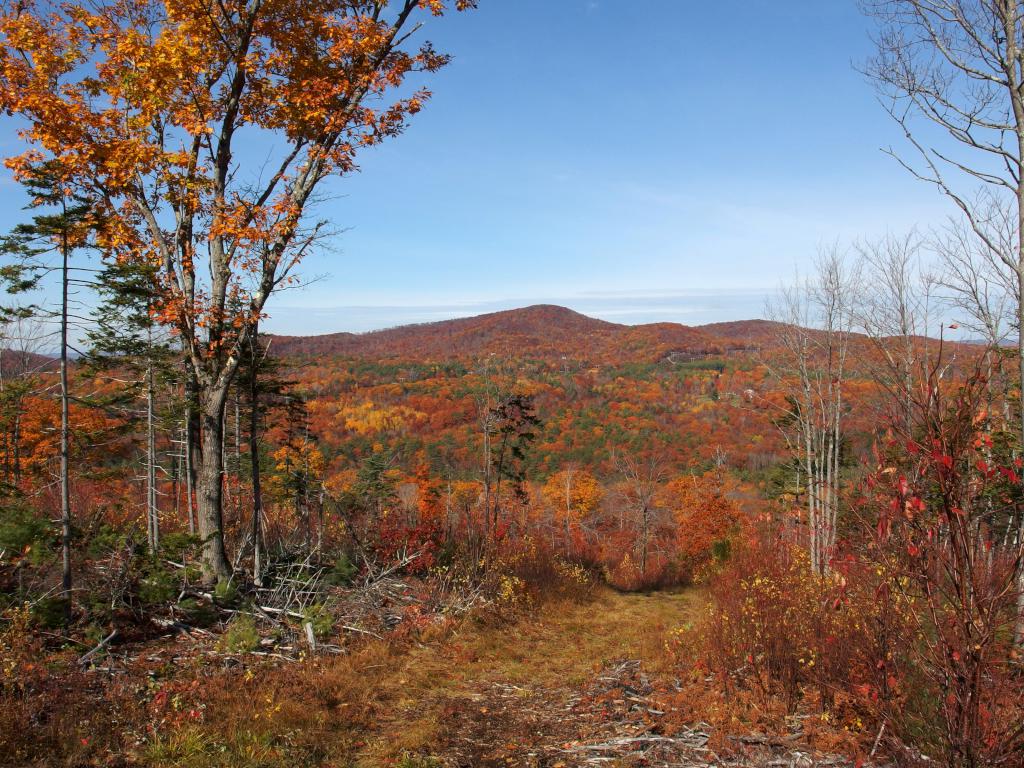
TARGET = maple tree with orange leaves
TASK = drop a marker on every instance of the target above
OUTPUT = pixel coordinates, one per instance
(142, 106)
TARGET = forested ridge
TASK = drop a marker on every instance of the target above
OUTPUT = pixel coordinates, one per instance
(541, 331)
(379, 476)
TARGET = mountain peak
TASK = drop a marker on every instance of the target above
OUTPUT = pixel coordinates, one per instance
(540, 331)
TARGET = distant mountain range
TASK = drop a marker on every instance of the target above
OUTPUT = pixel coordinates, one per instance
(15, 363)
(541, 331)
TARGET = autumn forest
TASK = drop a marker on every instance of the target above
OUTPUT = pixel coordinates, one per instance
(524, 537)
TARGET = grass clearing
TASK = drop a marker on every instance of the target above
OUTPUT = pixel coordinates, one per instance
(486, 691)
(404, 702)
(557, 650)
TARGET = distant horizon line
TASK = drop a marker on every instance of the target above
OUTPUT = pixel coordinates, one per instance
(471, 316)
(692, 308)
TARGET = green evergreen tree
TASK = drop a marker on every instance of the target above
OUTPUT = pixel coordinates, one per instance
(128, 339)
(259, 388)
(36, 250)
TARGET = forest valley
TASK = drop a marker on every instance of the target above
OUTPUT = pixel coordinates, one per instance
(525, 538)
(859, 599)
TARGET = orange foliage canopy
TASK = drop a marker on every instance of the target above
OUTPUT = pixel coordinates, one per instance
(39, 438)
(573, 494)
(139, 105)
(705, 512)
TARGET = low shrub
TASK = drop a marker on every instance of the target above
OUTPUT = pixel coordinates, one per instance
(22, 530)
(50, 612)
(241, 636)
(779, 628)
(408, 760)
(320, 618)
(531, 572)
(342, 572)
(106, 539)
(157, 584)
(49, 711)
(225, 592)
(180, 546)
(197, 613)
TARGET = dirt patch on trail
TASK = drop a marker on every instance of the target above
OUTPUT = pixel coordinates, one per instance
(620, 719)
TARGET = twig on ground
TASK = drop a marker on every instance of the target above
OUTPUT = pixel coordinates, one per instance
(102, 644)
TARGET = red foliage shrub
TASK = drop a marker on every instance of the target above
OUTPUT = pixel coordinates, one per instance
(946, 501)
(915, 627)
(780, 629)
(53, 713)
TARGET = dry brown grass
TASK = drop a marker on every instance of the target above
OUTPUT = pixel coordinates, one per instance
(413, 695)
(562, 647)
(388, 699)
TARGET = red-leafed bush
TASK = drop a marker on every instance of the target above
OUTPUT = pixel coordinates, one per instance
(912, 630)
(946, 503)
(778, 628)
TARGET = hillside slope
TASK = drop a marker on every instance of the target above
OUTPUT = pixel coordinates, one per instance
(539, 331)
(15, 362)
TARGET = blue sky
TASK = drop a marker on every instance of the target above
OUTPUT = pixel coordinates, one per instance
(642, 161)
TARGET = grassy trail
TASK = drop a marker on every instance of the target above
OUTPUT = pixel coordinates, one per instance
(503, 696)
(486, 693)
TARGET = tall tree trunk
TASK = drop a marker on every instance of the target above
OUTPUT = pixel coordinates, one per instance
(236, 469)
(193, 448)
(646, 518)
(152, 511)
(254, 469)
(496, 496)
(487, 468)
(190, 471)
(7, 440)
(211, 486)
(568, 511)
(65, 435)
(1019, 631)
(176, 465)
(812, 486)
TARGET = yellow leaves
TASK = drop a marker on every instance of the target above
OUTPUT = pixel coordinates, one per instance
(573, 494)
(368, 418)
(296, 464)
(305, 456)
